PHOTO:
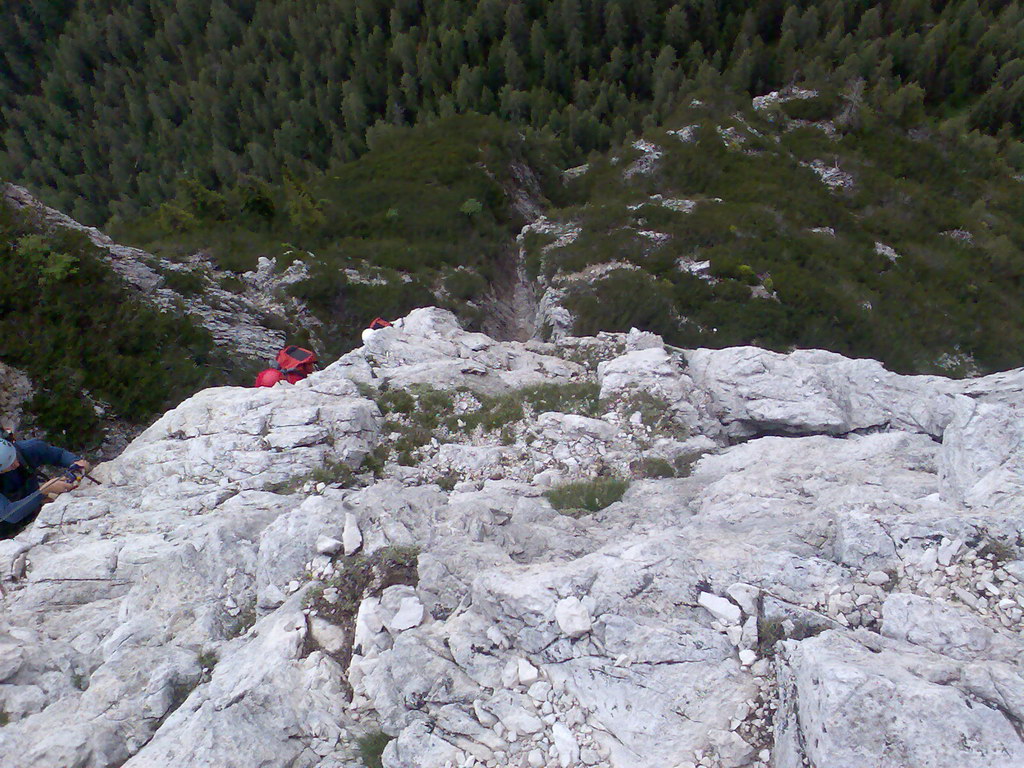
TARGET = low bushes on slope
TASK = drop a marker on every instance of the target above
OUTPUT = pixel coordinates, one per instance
(67, 320)
(425, 217)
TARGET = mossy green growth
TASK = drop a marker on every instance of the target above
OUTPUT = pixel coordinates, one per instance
(651, 468)
(997, 551)
(371, 747)
(207, 661)
(793, 262)
(425, 205)
(497, 411)
(587, 496)
(242, 622)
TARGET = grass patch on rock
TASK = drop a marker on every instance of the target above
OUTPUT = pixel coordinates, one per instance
(337, 599)
(361, 576)
(587, 496)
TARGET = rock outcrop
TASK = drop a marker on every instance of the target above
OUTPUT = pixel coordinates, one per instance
(15, 391)
(815, 562)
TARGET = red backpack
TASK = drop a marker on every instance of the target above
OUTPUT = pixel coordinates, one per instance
(293, 364)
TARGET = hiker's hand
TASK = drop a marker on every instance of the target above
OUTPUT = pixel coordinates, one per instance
(56, 486)
(85, 465)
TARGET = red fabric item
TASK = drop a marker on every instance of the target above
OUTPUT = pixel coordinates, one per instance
(296, 358)
(378, 323)
(268, 377)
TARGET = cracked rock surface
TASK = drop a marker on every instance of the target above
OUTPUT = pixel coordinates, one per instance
(824, 569)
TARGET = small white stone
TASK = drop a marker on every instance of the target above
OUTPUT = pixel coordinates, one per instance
(528, 673)
(351, 536)
(948, 551)
(410, 614)
(747, 657)
(989, 587)
(565, 744)
(325, 545)
(745, 596)
(485, 718)
(721, 608)
(878, 578)
(573, 617)
(540, 691)
(928, 561)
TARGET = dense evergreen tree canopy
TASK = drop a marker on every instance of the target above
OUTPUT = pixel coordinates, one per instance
(104, 104)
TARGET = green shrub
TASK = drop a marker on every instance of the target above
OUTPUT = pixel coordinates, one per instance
(90, 336)
(587, 496)
(813, 109)
(207, 661)
(232, 283)
(465, 285)
(448, 481)
(622, 300)
(771, 631)
(52, 266)
(243, 622)
(363, 575)
(187, 283)
(471, 207)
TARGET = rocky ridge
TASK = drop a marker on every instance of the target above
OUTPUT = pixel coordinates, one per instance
(816, 562)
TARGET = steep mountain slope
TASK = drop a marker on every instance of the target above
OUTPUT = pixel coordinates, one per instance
(798, 559)
(801, 219)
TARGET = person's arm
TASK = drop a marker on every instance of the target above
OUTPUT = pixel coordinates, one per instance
(37, 452)
(15, 511)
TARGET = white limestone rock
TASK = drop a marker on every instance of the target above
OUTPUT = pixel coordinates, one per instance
(981, 465)
(326, 545)
(566, 746)
(721, 608)
(352, 537)
(528, 674)
(573, 617)
(183, 572)
(330, 637)
(945, 629)
(845, 704)
(400, 609)
(816, 392)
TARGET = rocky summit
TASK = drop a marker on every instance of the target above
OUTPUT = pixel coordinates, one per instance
(595, 552)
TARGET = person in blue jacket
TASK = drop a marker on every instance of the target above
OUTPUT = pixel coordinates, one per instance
(21, 494)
